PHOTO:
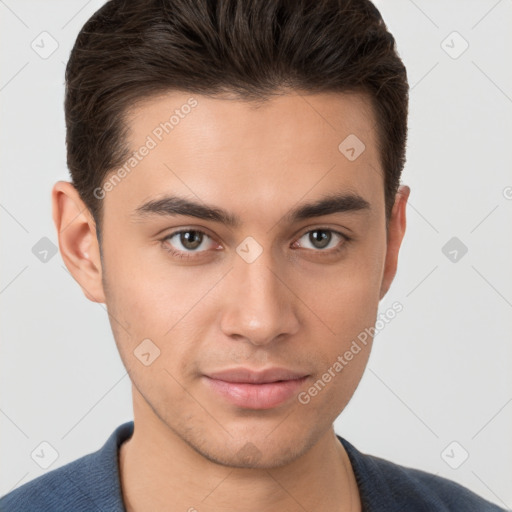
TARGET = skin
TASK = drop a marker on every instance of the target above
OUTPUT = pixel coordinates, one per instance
(295, 306)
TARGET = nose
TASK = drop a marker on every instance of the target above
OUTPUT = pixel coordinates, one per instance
(258, 307)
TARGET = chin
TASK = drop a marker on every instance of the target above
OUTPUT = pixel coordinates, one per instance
(251, 450)
(249, 456)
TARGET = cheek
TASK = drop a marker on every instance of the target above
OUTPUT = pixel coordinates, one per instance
(146, 291)
(345, 297)
(148, 299)
(346, 300)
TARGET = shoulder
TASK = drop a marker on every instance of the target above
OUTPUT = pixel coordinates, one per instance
(384, 485)
(90, 483)
(53, 490)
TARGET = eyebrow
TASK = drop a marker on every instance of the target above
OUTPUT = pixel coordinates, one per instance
(175, 205)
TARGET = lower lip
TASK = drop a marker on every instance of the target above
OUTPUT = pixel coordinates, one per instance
(256, 396)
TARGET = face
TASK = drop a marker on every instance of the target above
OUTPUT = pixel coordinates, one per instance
(229, 313)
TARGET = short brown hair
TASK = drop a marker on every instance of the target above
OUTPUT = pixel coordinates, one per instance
(130, 50)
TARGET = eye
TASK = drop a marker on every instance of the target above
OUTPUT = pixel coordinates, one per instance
(185, 241)
(323, 238)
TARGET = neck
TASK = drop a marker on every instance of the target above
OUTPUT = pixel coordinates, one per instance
(159, 471)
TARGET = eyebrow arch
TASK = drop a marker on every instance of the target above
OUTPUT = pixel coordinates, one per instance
(175, 205)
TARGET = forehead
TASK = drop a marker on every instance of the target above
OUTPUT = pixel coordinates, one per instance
(262, 155)
(284, 120)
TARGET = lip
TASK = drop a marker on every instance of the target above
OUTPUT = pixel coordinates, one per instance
(251, 389)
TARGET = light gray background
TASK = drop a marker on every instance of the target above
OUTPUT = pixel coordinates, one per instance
(439, 372)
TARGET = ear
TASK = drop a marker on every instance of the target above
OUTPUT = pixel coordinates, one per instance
(78, 243)
(396, 231)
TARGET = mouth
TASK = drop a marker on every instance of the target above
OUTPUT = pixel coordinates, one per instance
(250, 389)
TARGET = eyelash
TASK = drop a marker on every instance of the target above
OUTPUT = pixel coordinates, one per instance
(188, 255)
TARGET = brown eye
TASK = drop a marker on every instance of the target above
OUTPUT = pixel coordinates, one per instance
(191, 239)
(186, 241)
(322, 238)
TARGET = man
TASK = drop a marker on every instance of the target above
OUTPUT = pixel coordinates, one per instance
(236, 204)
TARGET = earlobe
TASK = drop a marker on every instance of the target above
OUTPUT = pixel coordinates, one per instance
(78, 243)
(396, 232)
